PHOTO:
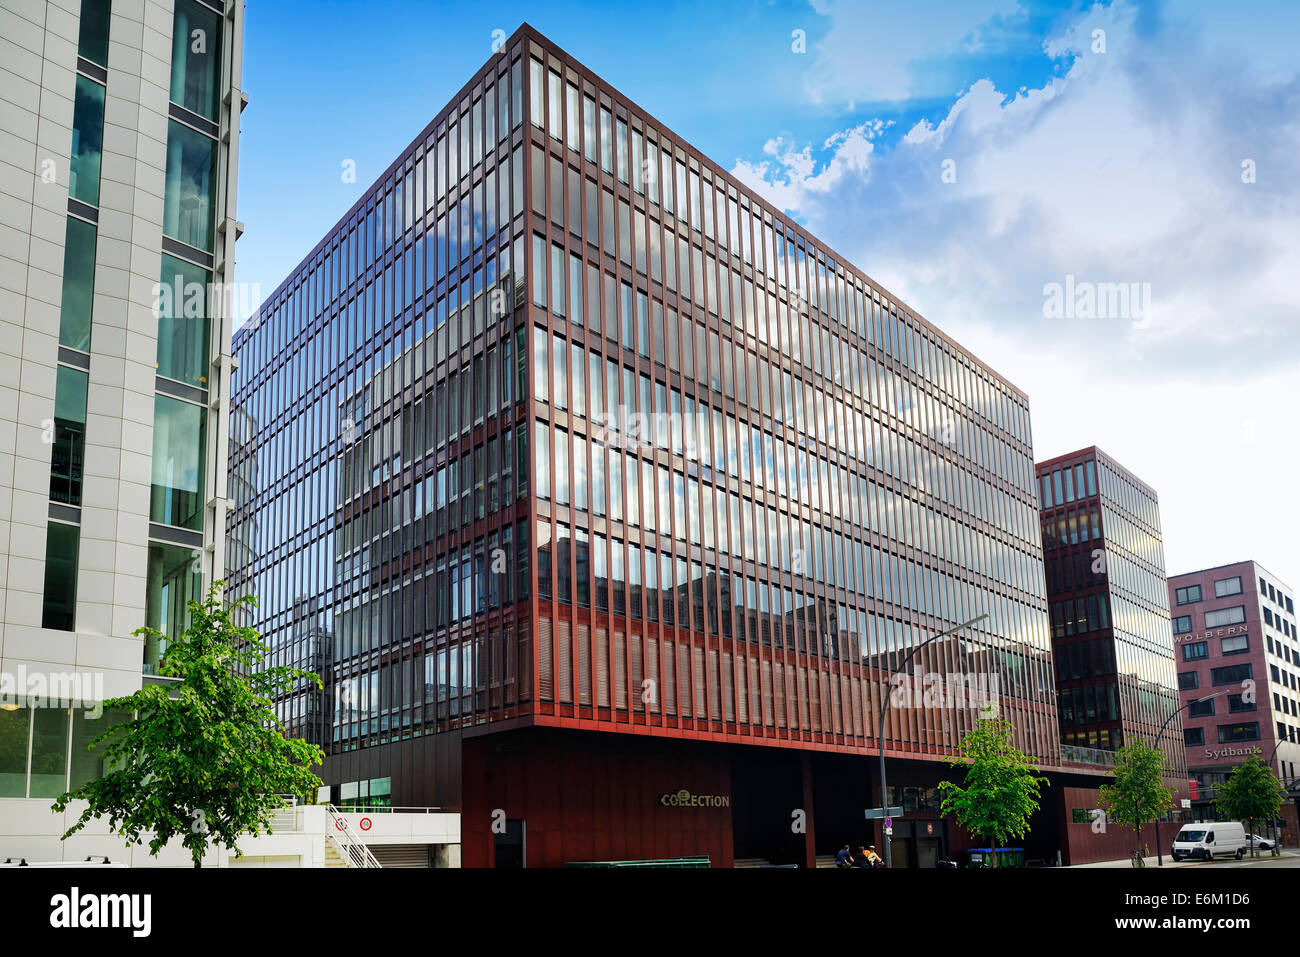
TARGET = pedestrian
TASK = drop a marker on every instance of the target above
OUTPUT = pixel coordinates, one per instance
(844, 858)
(862, 860)
(875, 859)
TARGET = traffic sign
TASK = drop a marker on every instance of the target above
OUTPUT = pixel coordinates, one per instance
(873, 813)
(889, 825)
(889, 831)
(929, 829)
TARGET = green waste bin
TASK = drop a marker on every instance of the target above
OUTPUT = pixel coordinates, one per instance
(995, 857)
(1010, 857)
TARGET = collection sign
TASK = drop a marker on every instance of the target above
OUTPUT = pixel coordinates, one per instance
(685, 798)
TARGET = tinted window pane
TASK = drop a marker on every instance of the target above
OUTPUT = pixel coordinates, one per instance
(178, 450)
(191, 188)
(68, 452)
(92, 43)
(183, 322)
(196, 58)
(78, 284)
(88, 763)
(49, 752)
(87, 141)
(172, 583)
(14, 732)
(60, 607)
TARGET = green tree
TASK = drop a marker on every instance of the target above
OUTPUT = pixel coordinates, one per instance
(1251, 793)
(1000, 790)
(204, 758)
(1139, 794)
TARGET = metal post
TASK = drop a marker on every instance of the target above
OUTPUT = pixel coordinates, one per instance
(880, 725)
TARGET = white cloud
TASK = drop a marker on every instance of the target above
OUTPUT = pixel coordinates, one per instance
(1127, 167)
(871, 50)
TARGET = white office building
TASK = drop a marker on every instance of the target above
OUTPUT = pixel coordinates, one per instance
(119, 131)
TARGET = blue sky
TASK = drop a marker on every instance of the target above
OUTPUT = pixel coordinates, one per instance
(1165, 157)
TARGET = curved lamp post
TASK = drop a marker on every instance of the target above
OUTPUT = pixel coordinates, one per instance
(1272, 824)
(880, 725)
(1160, 858)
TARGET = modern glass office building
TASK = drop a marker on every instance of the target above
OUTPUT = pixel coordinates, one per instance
(1105, 563)
(610, 498)
(1234, 628)
(121, 124)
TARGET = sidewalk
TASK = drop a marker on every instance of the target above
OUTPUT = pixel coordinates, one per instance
(1170, 862)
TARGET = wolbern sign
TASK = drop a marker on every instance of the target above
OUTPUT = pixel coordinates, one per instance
(685, 798)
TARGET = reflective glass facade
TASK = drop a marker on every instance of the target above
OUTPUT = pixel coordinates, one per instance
(1106, 583)
(562, 425)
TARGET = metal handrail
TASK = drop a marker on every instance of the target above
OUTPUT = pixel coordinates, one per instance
(385, 809)
(358, 854)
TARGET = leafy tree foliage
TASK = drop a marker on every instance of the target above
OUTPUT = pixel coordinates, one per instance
(1251, 793)
(204, 758)
(1000, 791)
(1139, 795)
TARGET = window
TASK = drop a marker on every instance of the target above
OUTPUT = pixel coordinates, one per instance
(78, 284)
(535, 93)
(179, 447)
(1225, 616)
(1182, 624)
(59, 610)
(539, 271)
(606, 140)
(1193, 736)
(1227, 586)
(190, 193)
(559, 375)
(542, 458)
(1237, 703)
(171, 583)
(1239, 732)
(87, 141)
(561, 453)
(92, 39)
(622, 151)
(87, 764)
(1188, 680)
(1231, 674)
(1194, 650)
(1235, 645)
(589, 128)
(1200, 709)
(196, 58)
(1188, 595)
(557, 279)
(541, 371)
(69, 447)
(183, 327)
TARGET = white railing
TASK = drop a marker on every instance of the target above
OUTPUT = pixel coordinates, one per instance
(355, 852)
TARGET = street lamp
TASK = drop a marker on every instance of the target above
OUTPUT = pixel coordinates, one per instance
(1160, 857)
(880, 725)
(1272, 824)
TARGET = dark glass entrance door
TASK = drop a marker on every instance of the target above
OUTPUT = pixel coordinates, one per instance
(509, 845)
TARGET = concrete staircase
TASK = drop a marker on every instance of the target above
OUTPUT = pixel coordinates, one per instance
(332, 856)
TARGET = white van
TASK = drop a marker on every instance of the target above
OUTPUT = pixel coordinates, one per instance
(1210, 839)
